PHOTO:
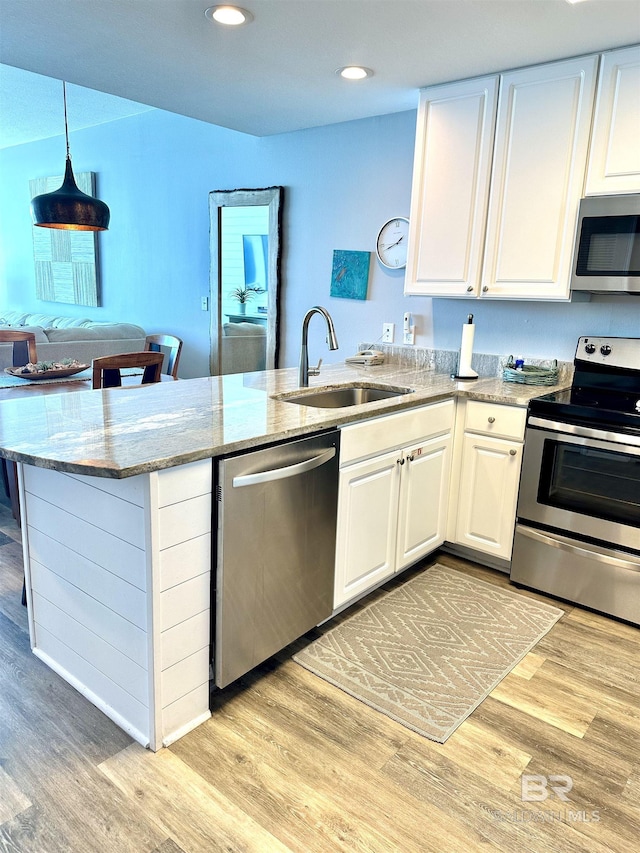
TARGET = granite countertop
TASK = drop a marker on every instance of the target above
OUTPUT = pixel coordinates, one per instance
(121, 432)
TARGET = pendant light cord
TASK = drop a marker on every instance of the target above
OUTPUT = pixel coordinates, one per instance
(66, 126)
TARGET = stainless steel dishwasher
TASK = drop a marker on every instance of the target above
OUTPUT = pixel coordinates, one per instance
(276, 514)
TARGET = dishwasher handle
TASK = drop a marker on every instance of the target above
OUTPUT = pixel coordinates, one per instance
(283, 473)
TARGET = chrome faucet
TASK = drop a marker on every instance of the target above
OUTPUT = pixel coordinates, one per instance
(305, 371)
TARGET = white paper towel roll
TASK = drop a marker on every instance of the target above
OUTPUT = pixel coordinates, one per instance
(466, 351)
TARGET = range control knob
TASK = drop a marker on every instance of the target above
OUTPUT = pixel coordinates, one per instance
(590, 348)
(605, 349)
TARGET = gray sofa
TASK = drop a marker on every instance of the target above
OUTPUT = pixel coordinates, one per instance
(70, 337)
(244, 347)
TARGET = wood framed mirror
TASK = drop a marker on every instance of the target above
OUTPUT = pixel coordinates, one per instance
(245, 230)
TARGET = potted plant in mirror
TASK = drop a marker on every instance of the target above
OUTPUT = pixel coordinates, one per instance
(242, 295)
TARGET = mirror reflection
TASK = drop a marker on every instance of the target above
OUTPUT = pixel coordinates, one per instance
(245, 263)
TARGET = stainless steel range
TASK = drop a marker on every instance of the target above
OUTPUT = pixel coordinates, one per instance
(578, 527)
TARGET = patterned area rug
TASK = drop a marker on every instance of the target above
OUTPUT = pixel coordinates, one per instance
(428, 652)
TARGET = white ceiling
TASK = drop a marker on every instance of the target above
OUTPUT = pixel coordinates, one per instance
(276, 74)
(31, 107)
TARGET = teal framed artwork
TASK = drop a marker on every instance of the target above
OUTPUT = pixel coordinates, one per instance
(350, 274)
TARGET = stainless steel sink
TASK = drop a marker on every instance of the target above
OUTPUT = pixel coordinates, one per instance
(345, 395)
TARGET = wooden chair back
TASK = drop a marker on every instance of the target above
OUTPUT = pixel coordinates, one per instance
(106, 369)
(24, 346)
(173, 347)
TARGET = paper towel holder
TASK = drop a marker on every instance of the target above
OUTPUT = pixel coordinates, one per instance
(465, 371)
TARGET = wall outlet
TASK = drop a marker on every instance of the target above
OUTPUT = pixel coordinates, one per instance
(409, 337)
(204, 303)
(387, 333)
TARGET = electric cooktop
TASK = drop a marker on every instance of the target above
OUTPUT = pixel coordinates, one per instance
(605, 389)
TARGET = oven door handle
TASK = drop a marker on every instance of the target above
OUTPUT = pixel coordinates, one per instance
(592, 552)
(584, 432)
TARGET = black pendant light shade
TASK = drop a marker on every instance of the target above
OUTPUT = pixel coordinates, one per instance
(68, 207)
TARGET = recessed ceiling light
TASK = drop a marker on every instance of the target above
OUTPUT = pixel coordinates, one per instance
(232, 16)
(574, 1)
(354, 72)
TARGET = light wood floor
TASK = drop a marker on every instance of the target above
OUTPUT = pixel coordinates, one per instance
(290, 763)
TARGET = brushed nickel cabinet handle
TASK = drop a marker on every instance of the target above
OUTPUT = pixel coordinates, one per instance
(485, 288)
(470, 288)
(491, 419)
(512, 452)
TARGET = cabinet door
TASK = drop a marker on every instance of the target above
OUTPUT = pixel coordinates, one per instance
(367, 519)
(614, 159)
(542, 136)
(488, 494)
(424, 488)
(454, 140)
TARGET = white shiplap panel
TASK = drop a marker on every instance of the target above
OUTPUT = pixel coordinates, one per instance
(183, 561)
(112, 591)
(104, 657)
(85, 609)
(93, 680)
(184, 520)
(184, 639)
(94, 671)
(131, 489)
(185, 600)
(115, 555)
(184, 481)
(79, 499)
(185, 676)
(193, 708)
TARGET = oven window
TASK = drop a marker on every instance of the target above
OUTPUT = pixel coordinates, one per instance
(600, 483)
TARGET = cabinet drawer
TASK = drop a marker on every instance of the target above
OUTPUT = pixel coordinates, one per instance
(495, 419)
(381, 434)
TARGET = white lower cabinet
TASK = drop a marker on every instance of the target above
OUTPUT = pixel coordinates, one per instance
(424, 485)
(489, 448)
(488, 494)
(367, 517)
(392, 506)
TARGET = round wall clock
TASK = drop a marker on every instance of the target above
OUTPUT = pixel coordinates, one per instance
(391, 246)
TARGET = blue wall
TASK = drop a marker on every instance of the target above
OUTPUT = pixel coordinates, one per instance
(342, 182)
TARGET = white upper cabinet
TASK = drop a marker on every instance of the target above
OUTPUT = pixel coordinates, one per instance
(541, 145)
(499, 170)
(454, 142)
(614, 158)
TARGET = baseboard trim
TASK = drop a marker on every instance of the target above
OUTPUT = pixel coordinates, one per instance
(477, 557)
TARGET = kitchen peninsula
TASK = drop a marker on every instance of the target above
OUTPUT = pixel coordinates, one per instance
(116, 502)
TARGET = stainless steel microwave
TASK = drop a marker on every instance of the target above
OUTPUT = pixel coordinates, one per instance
(606, 257)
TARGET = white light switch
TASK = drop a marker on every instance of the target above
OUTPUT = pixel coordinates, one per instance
(204, 303)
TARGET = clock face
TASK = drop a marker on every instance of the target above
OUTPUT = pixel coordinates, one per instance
(391, 247)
